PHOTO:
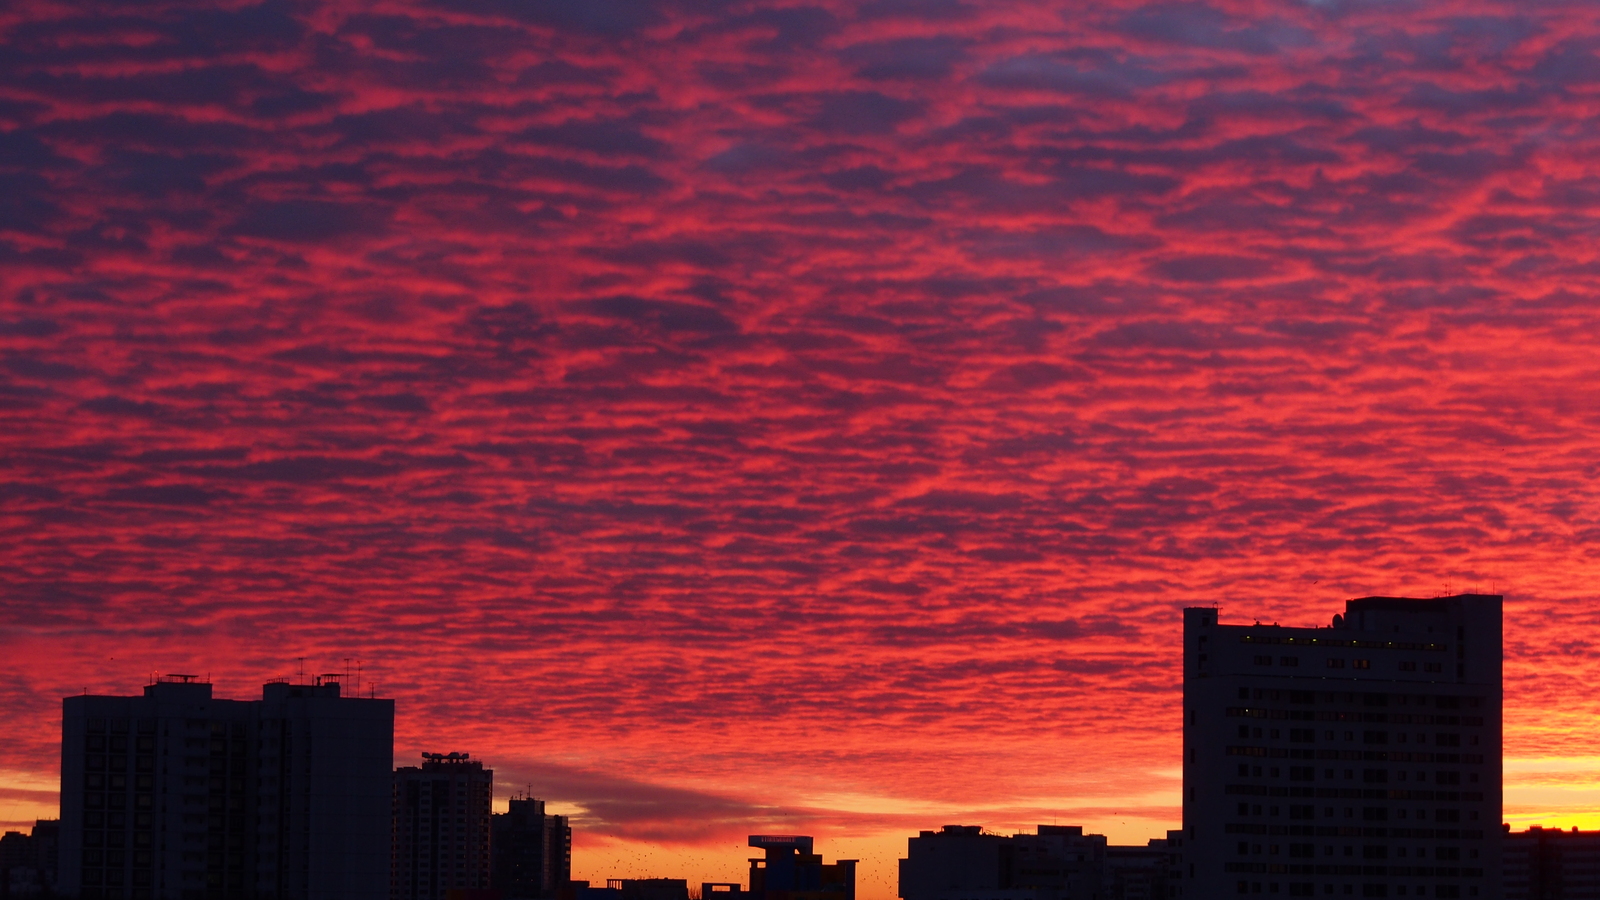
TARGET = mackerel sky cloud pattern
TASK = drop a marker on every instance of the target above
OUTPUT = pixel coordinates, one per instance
(750, 416)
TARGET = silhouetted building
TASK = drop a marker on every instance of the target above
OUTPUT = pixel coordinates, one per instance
(723, 890)
(531, 851)
(1174, 882)
(1361, 759)
(960, 862)
(441, 827)
(1551, 864)
(628, 889)
(176, 794)
(963, 862)
(1138, 873)
(790, 871)
(28, 861)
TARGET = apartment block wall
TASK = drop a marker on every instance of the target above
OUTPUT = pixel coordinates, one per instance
(1358, 759)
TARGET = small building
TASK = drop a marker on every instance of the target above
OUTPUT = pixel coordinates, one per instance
(791, 871)
(28, 861)
(723, 890)
(1551, 864)
(628, 889)
(1139, 873)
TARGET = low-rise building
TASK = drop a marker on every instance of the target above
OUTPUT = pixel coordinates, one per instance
(1551, 864)
(28, 861)
(1056, 862)
(791, 871)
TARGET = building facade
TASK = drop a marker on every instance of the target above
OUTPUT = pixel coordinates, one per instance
(1361, 759)
(1551, 864)
(441, 827)
(178, 795)
(530, 851)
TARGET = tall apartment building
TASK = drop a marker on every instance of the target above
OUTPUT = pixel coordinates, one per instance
(441, 827)
(177, 795)
(1360, 759)
(530, 851)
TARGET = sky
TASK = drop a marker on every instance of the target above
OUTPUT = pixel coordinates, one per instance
(799, 416)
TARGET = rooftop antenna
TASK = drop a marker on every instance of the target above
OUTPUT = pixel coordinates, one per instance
(302, 669)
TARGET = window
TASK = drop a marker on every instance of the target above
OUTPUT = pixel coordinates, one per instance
(1408, 666)
(1288, 660)
(1335, 663)
(1361, 664)
(1263, 660)
(1433, 667)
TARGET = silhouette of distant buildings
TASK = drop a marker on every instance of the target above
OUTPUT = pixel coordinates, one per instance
(1057, 862)
(1362, 759)
(629, 889)
(28, 861)
(1551, 864)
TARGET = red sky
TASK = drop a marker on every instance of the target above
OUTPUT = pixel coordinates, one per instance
(740, 416)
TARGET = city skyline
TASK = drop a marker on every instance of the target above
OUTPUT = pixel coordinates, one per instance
(791, 416)
(1409, 614)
